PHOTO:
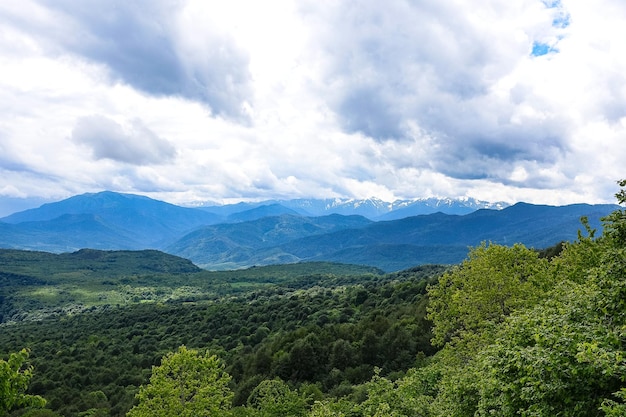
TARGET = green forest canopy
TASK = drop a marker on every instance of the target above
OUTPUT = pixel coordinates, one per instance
(516, 334)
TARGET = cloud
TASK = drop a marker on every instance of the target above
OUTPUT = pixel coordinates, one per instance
(193, 100)
(414, 69)
(364, 110)
(151, 46)
(135, 144)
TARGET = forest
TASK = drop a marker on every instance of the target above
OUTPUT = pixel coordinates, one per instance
(509, 331)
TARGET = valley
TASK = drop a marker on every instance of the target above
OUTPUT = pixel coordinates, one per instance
(325, 337)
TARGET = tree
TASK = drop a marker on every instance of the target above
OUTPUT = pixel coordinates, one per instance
(274, 398)
(467, 306)
(493, 282)
(615, 223)
(41, 412)
(186, 384)
(566, 355)
(15, 374)
(324, 409)
(554, 359)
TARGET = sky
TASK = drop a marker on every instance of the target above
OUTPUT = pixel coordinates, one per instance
(194, 100)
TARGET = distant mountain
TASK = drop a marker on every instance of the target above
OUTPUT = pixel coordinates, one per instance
(232, 245)
(260, 212)
(243, 235)
(66, 233)
(372, 208)
(103, 220)
(408, 208)
(389, 245)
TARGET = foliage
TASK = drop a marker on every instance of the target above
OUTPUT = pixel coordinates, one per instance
(352, 322)
(186, 384)
(521, 332)
(615, 223)
(44, 412)
(558, 358)
(36, 285)
(560, 351)
(15, 375)
(274, 398)
(493, 282)
(398, 399)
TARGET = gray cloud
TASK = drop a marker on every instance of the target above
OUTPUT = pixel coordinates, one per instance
(9, 160)
(138, 42)
(107, 139)
(407, 98)
(432, 65)
(402, 56)
(364, 110)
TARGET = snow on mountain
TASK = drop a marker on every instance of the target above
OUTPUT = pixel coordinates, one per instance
(372, 208)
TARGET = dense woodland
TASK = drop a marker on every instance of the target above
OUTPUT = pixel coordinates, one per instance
(510, 331)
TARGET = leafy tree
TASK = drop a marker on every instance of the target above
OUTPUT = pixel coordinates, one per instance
(388, 398)
(274, 398)
(186, 384)
(566, 355)
(615, 223)
(15, 375)
(40, 412)
(540, 363)
(493, 282)
(325, 409)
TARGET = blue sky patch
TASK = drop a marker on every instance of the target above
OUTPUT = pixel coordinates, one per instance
(540, 49)
(552, 3)
(561, 21)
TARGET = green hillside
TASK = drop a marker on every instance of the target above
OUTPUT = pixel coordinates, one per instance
(509, 331)
(34, 285)
(265, 321)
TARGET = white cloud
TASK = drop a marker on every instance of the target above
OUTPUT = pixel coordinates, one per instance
(245, 100)
(11, 191)
(134, 144)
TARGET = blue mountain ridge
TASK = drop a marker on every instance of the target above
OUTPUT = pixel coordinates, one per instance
(243, 236)
(372, 208)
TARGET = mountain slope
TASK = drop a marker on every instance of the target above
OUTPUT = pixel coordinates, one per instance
(67, 233)
(397, 244)
(94, 263)
(372, 208)
(230, 244)
(276, 233)
(103, 220)
(260, 212)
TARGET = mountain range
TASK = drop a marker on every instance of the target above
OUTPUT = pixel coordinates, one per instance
(247, 234)
(372, 208)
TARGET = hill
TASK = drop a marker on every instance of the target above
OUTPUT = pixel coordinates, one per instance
(372, 208)
(35, 285)
(103, 220)
(231, 246)
(260, 212)
(243, 235)
(389, 245)
(326, 325)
